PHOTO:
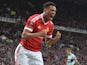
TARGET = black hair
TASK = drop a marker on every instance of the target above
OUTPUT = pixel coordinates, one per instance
(47, 4)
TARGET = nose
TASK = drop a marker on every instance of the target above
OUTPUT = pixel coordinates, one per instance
(53, 14)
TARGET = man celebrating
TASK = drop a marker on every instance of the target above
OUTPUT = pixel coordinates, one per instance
(37, 28)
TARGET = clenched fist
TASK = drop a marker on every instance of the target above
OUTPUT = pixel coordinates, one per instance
(58, 35)
(43, 33)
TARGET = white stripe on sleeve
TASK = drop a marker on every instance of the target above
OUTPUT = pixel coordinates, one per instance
(50, 36)
(30, 29)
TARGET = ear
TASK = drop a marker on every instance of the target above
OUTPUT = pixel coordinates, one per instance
(44, 9)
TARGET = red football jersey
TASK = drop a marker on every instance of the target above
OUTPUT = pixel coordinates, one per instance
(34, 24)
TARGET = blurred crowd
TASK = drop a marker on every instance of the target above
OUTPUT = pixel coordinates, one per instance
(55, 55)
(73, 13)
(20, 10)
(9, 39)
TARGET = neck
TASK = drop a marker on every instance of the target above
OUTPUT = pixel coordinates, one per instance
(44, 17)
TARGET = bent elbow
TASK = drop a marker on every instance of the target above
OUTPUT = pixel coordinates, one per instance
(23, 36)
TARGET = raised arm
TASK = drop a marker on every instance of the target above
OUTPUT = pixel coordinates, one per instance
(52, 41)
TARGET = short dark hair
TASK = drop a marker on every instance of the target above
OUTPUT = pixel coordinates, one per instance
(47, 4)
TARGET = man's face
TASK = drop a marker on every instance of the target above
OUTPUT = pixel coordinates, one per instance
(50, 12)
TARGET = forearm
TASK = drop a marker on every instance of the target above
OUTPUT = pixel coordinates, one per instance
(54, 40)
(51, 41)
(26, 34)
(77, 61)
(66, 63)
(30, 35)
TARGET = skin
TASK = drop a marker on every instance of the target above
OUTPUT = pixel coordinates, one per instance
(48, 14)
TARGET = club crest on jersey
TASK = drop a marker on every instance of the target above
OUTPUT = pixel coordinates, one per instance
(47, 29)
(31, 23)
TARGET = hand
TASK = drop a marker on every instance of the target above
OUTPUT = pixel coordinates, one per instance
(58, 35)
(43, 33)
(52, 41)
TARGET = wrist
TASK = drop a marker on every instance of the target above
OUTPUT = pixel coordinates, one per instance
(48, 46)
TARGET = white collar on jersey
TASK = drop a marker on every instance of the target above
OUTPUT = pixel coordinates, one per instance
(43, 19)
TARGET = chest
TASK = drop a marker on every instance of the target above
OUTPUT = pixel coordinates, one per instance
(41, 26)
(70, 57)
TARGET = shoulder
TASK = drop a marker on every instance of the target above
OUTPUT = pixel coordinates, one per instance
(34, 17)
(73, 55)
(51, 24)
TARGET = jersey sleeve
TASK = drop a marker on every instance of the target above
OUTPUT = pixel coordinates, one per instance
(68, 58)
(73, 56)
(51, 28)
(29, 25)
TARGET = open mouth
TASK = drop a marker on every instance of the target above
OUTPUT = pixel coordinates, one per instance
(51, 16)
